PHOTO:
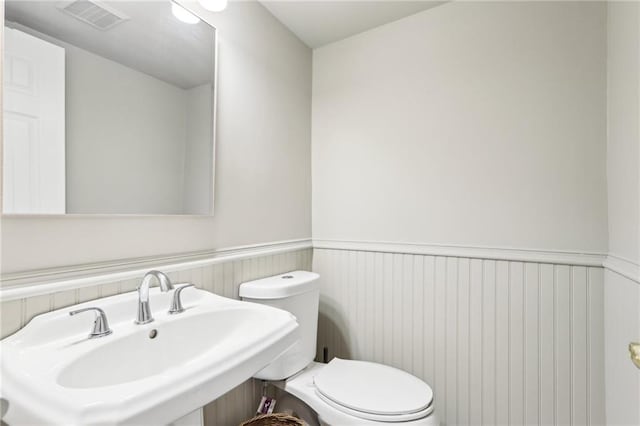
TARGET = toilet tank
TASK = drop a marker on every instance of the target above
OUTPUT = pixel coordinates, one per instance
(298, 293)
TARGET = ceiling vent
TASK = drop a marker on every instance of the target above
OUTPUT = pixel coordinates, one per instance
(94, 13)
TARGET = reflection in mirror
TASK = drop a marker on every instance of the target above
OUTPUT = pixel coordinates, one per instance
(108, 108)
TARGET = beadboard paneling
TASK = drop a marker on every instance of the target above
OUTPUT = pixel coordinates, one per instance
(221, 278)
(501, 342)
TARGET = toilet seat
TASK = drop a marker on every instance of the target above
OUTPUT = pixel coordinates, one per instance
(373, 391)
(387, 418)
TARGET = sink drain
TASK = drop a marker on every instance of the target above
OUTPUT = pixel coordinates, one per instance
(153, 333)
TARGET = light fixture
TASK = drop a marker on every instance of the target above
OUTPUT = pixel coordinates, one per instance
(183, 14)
(214, 5)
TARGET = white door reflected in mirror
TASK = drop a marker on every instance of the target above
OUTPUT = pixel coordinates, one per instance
(34, 125)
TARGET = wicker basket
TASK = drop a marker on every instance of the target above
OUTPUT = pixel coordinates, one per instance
(275, 419)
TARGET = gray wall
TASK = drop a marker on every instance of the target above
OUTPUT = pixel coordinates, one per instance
(623, 129)
(198, 179)
(126, 138)
(472, 123)
(622, 294)
(262, 178)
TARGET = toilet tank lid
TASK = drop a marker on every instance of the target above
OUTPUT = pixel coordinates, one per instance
(280, 286)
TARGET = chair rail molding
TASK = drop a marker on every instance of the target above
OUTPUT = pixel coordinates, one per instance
(40, 282)
(623, 266)
(35, 283)
(559, 257)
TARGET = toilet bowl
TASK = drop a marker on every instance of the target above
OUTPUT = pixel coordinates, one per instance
(335, 412)
(342, 392)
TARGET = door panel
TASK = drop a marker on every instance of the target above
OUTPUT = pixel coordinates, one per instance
(34, 125)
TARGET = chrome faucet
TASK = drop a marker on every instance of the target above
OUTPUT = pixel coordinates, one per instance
(100, 324)
(144, 312)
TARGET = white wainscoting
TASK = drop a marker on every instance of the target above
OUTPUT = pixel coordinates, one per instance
(501, 342)
(219, 274)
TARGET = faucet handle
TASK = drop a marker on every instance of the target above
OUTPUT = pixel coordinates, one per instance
(176, 303)
(100, 325)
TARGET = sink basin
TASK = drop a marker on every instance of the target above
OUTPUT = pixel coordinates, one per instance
(136, 356)
(52, 373)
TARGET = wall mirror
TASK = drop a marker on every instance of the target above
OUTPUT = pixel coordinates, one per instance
(108, 108)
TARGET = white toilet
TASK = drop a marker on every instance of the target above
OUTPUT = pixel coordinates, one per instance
(342, 392)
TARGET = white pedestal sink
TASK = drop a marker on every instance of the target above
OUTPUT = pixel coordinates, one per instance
(52, 373)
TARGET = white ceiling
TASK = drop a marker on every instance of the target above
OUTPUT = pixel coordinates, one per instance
(153, 41)
(318, 22)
